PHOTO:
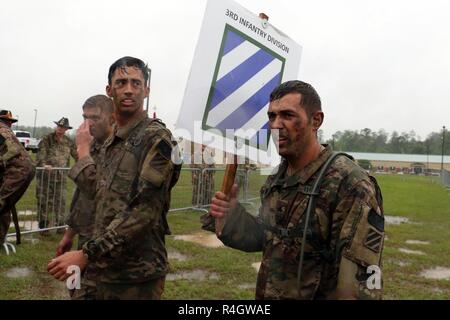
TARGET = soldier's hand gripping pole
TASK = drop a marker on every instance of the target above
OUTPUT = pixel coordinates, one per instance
(228, 181)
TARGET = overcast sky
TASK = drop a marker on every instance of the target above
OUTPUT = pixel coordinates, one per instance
(378, 64)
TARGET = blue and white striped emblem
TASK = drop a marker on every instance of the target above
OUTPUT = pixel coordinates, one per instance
(245, 75)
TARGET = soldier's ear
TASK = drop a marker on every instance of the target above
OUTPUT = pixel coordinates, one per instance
(317, 119)
(109, 91)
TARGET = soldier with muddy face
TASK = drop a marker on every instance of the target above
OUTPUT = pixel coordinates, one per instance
(323, 254)
(132, 185)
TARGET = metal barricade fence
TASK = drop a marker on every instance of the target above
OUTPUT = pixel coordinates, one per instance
(45, 205)
(445, 178)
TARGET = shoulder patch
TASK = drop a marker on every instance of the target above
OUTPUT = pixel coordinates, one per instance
(373, 240)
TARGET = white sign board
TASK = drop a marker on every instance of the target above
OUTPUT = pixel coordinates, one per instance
(240, 58)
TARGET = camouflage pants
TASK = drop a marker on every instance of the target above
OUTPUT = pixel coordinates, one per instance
(150, 290)
(51, 198)
(5, 221)
(87, 291)
(202, 192)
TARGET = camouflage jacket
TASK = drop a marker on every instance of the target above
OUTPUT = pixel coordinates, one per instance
(82, 209)
(54, 152)
(16, 169)
(345, 236)
(132, 181)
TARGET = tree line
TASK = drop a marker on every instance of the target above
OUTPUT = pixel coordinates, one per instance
(380, 141)
(364, 140)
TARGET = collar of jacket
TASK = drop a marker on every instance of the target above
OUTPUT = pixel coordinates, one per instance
(303, 175)
(125, 131)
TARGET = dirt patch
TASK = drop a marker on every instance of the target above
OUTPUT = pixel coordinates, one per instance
(419, 242)
(198, 275)
(202, 238)
(18, 272)
(437, 273)
(408, 251)
(175, 255)
(256, 266)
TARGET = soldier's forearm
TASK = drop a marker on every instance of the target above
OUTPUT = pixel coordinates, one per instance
(243, 231)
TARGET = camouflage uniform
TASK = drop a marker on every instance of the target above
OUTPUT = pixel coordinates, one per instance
(81, 217)
(16, 173)
(345, 235)
(81, 220)
(131, 184)
(51, 185)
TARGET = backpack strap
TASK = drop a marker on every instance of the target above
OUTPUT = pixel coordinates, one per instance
(311, 207)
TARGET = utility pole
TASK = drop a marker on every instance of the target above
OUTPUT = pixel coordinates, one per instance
(443, 144)
(34, 126)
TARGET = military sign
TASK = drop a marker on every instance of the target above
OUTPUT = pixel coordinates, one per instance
(240, 58)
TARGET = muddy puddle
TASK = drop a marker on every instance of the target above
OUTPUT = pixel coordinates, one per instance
(247, 286)
(256, 266)
(175, 255)
(418, 242)
(396, 219)
(437, 273)
(196, 275)
(415, 252)
(19, 272)
(208, 240)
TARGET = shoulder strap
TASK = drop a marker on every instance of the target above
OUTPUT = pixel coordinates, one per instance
(312, 206)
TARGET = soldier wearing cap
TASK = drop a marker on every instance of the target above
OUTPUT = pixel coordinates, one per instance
(54, 151)
(16, 171)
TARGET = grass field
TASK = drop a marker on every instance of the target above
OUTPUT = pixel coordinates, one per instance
(228, 274)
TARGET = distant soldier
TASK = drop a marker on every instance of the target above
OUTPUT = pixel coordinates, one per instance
(54, 151)
(98, 112)
(16, 171)
(202, 189)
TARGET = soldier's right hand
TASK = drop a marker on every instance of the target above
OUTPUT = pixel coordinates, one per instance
(48, 167)
(83, 139)
(221, 204)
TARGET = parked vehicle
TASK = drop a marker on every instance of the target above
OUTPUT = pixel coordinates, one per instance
(27, 140)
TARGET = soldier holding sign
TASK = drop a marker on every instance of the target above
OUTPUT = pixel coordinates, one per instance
(324, 248)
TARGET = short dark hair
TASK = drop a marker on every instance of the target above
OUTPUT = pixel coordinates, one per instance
(100, 101)
(129, 62)
(310, 99)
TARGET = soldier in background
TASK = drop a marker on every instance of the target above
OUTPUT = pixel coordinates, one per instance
(202, 189)
(330, 252)
(54, 151)
(132, 188)
(98, 112)
(16, 171)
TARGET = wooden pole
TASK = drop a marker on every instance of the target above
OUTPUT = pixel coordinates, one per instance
(228, 181)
